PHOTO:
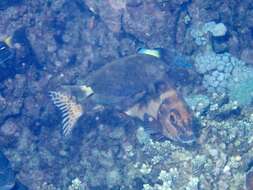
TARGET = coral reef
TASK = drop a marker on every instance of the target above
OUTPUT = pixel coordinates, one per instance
(222, 73)
(53, 43)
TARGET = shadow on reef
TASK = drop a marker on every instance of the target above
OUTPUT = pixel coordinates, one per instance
(249, 176)
(16, 60)
(8, 180)
(4, 4)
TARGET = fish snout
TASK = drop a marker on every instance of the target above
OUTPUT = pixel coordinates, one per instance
(177, 122)
(187, 135)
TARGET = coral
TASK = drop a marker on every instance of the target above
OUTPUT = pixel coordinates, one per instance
(223, 73)
(247, 56)
(145, 169)
(166, 178)
(198, 102)
(196, 170)
(142, 136)
(200, 32)
(216, 30)
(242, 90)
(76, 184)
(113, 178)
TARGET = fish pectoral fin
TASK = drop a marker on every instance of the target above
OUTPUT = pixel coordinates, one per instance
(71, 111)
(154, 131)
(135, 111)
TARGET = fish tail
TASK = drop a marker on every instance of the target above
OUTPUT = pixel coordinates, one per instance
(71, 111)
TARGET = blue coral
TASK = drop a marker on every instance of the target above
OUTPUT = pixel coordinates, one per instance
(242, 91)
(223, 73)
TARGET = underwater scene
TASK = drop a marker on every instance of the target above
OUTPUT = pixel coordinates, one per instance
(126, 95)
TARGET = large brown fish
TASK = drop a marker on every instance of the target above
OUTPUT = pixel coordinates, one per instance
(123, 85)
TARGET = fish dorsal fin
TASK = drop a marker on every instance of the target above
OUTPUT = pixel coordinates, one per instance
(70, 109)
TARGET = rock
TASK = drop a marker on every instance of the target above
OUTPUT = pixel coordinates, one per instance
(117, 133)
(19, 186)
(9, 133)
(153, 29)
(12, 101)
(110, 12)
(249, 180)
(3, 104)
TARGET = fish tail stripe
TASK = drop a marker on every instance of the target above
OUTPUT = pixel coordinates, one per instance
(70, 110)
(65, 113)
(66, 129)
(63, 108)
(65, 119)
(60, 104)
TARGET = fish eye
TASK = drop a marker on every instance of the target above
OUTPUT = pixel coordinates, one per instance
(173, 116)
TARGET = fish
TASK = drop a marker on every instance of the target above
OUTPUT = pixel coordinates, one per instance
(136, 85)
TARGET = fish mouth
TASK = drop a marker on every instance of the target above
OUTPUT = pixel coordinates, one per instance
(182, 137)
(186, 133)
(189, 133)
(187, 139)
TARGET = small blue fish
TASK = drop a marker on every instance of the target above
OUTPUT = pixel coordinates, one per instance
(175, 59)
(152, 52)
(182, 62)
